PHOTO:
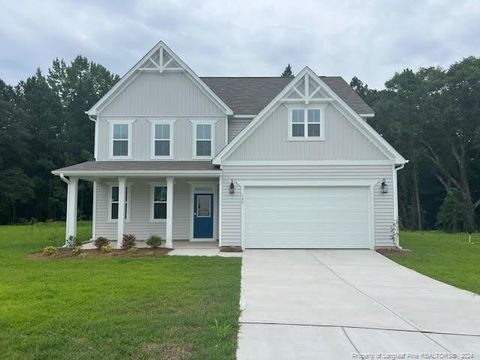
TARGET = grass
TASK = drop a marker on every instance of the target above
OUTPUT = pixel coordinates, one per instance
(445, 257)
(110, 308)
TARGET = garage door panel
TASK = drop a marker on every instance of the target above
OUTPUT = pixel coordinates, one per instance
(306, 217)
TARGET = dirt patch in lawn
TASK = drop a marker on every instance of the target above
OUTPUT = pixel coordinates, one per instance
(165, 352)
(94, 253)
(394, 251)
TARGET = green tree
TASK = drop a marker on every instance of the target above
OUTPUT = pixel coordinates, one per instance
(287, 73)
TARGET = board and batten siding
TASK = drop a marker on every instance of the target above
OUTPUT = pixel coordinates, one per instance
(156, 94)
(269, 141)
(236, 125)
(142, 137)
(140, 203)
(231, 204)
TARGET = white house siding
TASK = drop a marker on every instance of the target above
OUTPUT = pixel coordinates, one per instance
(231, 204)
(142, 137)
(235, 125)
(155, 94)
(140, 202)
(343, 141)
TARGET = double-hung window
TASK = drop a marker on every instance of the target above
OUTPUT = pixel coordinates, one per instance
(203, 139)
(306, 124)
(162, 139)
(159, 203)
(114, 202)
(121, 144)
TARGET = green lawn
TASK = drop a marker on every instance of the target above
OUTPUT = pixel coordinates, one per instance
(445, 257)
(111, 308)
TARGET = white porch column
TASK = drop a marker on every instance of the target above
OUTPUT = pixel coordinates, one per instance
(169, 232)
(71, 218)
(121, 211)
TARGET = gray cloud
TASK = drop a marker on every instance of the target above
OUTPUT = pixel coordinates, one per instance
(370, 39)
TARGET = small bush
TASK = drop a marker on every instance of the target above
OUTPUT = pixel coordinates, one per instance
(77, 250)
(101, 241)
(154, 241)
(71, 242)
(133, 250)
(106, 249)
(128, 241)
(50, 250)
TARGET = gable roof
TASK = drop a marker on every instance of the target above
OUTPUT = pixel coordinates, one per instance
(355, 119)
(161, 48)
(249, 95)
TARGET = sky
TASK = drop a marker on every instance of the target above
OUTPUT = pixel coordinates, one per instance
(370, 39)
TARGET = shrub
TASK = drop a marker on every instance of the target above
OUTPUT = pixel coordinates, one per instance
(106, 249)
(71, 242)
(101, 241)
(154, 241)
(77, 250)
(50, 250)
(128, 241)
(133, 250)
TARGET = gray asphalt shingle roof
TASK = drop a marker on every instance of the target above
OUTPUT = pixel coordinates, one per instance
(249, 95)
(140, 166)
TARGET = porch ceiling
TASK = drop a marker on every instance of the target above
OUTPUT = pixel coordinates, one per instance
(140, 168)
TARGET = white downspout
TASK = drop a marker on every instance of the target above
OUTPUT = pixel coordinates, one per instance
(395, 200)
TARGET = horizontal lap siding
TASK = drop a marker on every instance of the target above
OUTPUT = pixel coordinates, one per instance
(140, 202)
(231, 204)
(235, 126)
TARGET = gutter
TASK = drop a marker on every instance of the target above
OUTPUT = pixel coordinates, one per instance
(64, 179)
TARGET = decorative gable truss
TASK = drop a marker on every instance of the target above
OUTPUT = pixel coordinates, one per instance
(307, 90)
(159, 59)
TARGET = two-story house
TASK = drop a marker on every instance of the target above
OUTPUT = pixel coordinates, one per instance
(256, 162)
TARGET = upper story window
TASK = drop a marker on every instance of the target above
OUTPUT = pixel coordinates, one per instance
(307, 124)
(203, 142)
(162, 139)
(121, 142)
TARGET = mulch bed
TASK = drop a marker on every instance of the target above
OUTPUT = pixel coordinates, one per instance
(394, 251)
(230, 249)
(94, 253)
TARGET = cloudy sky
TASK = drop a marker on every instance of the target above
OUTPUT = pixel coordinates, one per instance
(368, 38)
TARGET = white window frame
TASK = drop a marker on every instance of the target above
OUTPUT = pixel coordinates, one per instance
(305, 136)
(121, 122)
(171, 123)
(152, 203)
(212, 138)
(127, 201)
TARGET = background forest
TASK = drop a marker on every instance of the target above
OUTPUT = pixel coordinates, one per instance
(431, 116)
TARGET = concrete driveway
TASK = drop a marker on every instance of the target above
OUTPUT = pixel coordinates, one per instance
(345, 304)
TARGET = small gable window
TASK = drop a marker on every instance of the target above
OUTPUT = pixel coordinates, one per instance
(306, 124)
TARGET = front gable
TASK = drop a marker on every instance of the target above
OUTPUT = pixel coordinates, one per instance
(160, 84)
(346, 136)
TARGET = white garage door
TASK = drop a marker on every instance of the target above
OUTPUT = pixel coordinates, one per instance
(306, 217)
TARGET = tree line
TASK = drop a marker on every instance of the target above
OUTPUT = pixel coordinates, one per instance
(431, 116)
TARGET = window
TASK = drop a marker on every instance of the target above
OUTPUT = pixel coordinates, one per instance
(306, 124)
(159, 202)
(121, 139)
(114, 202)
(203, 141)
(162, 134)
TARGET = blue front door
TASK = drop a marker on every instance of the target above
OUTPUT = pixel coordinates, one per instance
(203, 216)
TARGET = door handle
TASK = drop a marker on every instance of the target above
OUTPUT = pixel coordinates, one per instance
(195, 213)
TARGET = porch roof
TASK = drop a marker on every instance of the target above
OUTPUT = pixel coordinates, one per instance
(140, 168)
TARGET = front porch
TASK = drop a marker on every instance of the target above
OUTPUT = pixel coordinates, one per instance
(180, 205)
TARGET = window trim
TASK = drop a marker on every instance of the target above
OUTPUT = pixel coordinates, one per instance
(194, 138)
(152, 204)
(127, 201)
(305, 108)
(129, 139)
(169, 122)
